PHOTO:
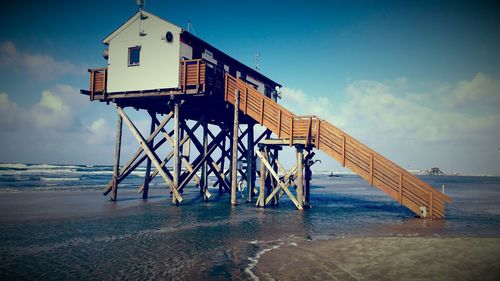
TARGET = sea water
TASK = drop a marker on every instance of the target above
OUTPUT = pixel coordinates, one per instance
(56, 225)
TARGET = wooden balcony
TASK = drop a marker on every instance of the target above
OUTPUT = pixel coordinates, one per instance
(195, 77)
(98, 83)
(199, 76)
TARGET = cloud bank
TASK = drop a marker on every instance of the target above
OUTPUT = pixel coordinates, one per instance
(42, 66)
(445, 123)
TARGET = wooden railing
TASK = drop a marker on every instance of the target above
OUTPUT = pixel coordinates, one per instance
(98, 81)
(398, 183)
(192, 75)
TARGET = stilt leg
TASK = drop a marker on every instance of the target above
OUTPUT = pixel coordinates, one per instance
(145, 189)
(307, 178)
(234, 152)
(204, 171)
(250, 163)
(300, 177)
(262, 191)
(116, 169)
(176, 148)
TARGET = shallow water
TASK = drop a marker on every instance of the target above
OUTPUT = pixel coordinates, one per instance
(69, 231)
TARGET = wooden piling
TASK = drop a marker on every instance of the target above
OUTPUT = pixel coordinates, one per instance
(223, 156)
(307, 182)
(116, 168)
(176, 149)
(204, 170)
(145, 189)
(300, 176)
(262, 189)
(250, 162)
(234, 153)
(273, 181)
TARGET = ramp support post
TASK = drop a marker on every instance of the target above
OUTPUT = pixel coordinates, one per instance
(250, 162)
(234, 152)
(300, 178)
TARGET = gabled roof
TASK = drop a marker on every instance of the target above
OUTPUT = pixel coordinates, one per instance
(129, 22)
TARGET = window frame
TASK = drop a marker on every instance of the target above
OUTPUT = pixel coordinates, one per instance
(130, 49)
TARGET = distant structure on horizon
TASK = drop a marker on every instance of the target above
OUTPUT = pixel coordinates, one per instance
(159, 68)
(435, 171)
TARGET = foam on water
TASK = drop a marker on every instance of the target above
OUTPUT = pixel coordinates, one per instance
(60, 179)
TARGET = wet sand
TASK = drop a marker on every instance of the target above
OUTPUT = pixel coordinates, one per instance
(384, 258)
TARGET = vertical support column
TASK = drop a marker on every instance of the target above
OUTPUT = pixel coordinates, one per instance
(234, 152)
(223, 156)
(250, 162)
(204, 170)
(116, 168)
(148, 163)
(274, 182)
(300, 176)
(307, 178)
(262, 190)
(176, 148)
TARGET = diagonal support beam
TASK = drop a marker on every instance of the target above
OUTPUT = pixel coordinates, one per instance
(154, 158)
(202, 159)
(130, 166)
(290, 174)
(184, 161)
(210, 161)
(163, 163)
(280, 183)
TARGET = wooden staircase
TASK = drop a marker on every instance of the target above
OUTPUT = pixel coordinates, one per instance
(379, 171)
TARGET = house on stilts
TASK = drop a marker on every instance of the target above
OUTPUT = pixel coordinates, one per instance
(174, 76)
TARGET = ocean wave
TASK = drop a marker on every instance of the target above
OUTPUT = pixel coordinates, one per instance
(59, 179)
(13, 166)
(48, 166)
(255, 260)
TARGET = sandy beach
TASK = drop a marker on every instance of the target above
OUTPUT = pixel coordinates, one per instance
(384, 258)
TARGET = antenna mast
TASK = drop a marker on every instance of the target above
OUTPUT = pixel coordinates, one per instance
(256, 62)
(141, 4)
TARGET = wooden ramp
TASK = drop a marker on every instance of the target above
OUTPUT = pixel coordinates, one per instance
(379, 171)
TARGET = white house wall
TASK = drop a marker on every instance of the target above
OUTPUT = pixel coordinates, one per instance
(159, 60)
(186, 51)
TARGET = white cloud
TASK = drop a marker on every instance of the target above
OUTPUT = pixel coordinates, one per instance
(388, 109)
(57, 110)
(375, 109)
(99, 132)
(455, 126)
(482, 92)
(52, 113)
(40, 65)
(11, 116)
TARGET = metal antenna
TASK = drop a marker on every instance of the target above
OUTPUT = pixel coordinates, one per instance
(256, 61)
(190, 28)
(141, 4)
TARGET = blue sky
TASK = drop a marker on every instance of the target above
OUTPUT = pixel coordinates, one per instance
(418, 81)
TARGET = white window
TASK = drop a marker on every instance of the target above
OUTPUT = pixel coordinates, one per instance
(134, 55)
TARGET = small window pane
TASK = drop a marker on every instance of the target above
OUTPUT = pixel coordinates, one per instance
(134, 55)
